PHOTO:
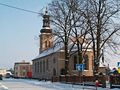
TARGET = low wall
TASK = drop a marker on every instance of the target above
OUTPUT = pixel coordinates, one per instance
(115, 80)
(78, 79)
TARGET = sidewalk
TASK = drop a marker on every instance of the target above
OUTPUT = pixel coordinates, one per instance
(116, 86)
(93, 84)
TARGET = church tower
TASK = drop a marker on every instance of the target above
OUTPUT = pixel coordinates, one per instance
(46, 40)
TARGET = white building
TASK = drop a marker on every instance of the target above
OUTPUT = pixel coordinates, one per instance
(3, 72)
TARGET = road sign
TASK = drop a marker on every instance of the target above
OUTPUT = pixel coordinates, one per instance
(118, 70)
(118, 64)
(80, 67)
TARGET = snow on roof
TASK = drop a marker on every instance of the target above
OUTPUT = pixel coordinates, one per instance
(102, 64)
(46, 28)
(49, 51)
(58, 47)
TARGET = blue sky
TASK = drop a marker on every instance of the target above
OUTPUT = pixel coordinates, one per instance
(19, 31)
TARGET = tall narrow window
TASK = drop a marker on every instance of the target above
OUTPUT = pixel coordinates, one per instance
(43, 66)
(54, 72)
(35, 67)
(45, 44)
(49, 44)
(47, 64)
(75, 62)
(40, 66)
(54, 60)
(86, 61)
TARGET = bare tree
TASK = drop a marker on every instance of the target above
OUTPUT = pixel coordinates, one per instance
(100, 15)
(87, 19)
(69, 26)
(61, 11)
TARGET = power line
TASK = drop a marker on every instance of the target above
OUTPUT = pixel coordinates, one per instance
(19, 8)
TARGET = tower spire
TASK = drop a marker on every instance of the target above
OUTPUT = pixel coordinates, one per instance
(46, 11)
(46, 23)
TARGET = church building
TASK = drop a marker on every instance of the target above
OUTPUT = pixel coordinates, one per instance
(50, 61)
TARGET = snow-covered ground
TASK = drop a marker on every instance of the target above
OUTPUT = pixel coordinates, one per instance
(42, 85)
(61, 86)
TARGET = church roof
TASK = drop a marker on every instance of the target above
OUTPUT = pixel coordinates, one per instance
(49, 51)
(58, 48)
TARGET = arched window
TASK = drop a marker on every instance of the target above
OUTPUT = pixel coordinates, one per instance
(86, 61)
(54, 60)
(49, 44)
(75, 62)
(43, 66)
(62, 71)
(45, 44)
(54, 72)
(47, 63)
(40, 66)
(35, 67)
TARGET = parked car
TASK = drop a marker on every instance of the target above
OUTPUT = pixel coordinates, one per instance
(7, 75)
(1, 77)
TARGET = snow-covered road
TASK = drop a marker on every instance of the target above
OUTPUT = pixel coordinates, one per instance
(24, 84)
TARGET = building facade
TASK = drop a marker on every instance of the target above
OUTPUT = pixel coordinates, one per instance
(3, 72)
(50, 61)
(21, 69)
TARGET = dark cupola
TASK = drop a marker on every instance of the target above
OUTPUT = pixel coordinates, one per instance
(46, 23)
